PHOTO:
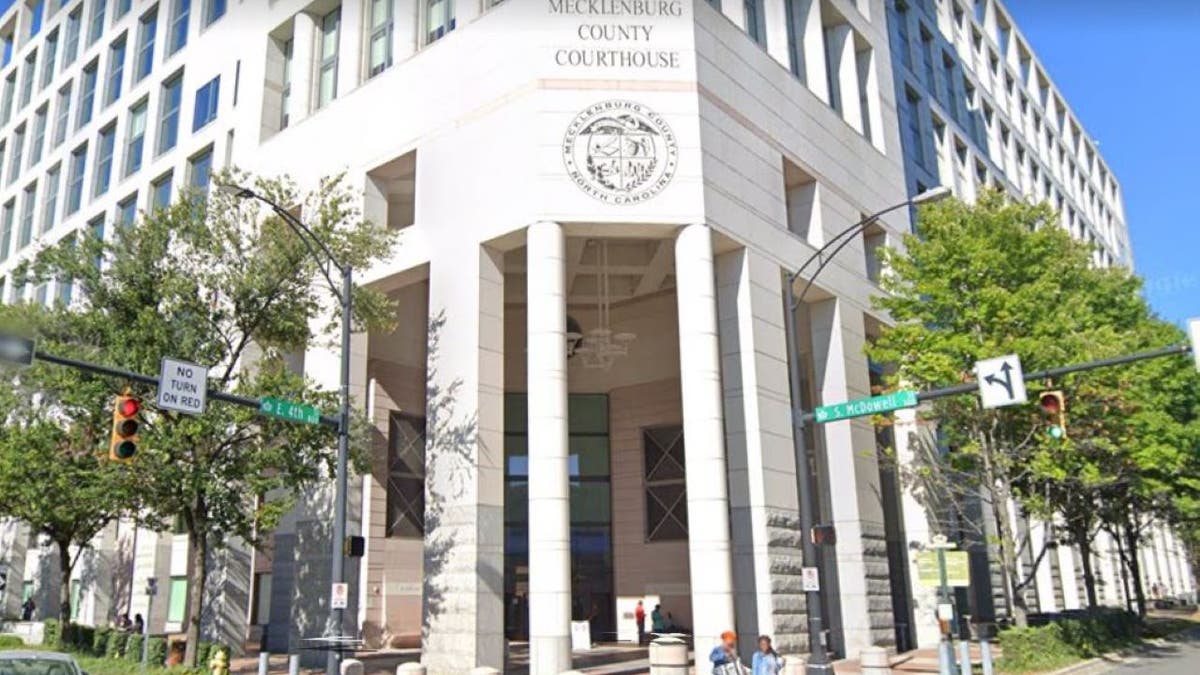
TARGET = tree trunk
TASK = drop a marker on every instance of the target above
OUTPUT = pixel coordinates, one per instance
(1000, 491)
(1122, 569)
(1085, 556)
(65, 565)
(197, 575)
(1135, 567)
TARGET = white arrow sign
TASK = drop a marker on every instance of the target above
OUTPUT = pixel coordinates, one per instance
(182, 387)
(1001, 381)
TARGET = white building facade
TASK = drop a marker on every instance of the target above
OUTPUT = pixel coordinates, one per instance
(585, 402)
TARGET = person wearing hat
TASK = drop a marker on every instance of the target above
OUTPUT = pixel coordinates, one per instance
(724, 656)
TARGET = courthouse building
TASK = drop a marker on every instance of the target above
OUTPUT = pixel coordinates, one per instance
(585, 402)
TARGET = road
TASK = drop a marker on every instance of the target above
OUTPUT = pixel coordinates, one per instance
(1180, 656)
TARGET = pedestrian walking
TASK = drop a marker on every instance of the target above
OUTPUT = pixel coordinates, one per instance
(639, 615)
(724, 656)
(766, 661)
(27, 610)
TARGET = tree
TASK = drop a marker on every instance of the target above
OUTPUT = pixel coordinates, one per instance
(54, 445)
(978, 282)
(223, 282)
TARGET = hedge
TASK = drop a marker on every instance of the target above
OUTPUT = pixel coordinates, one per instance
(100, 641)
(133, 648)
(11, 642)
(116, 644)
(1055, 644)
(52, 633)
(157, 649)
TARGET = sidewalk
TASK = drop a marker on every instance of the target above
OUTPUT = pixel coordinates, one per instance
(916, 661)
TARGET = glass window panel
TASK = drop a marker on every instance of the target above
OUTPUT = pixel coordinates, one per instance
(589, 455)
(177, 604)
(591, 502)
(588, 413)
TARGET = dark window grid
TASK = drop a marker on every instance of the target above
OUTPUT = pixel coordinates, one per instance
(665, 483)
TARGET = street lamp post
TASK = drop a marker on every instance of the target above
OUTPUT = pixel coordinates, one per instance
(818, 662)
(344, 295)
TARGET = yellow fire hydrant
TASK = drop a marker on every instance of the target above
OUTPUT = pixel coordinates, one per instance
(219, 663)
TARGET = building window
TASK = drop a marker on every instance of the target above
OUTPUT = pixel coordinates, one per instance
(51, 52)
(27, 78)
(127, 211)
(116, 70)
(327, 87)
(168, 116)
(63, 114)
(123, 7)
(286, 96)
(260, 615)
(18, 148)
(27, 204)
(380, 54)
(406, 476)
(39, 135)
(912, 125)
(71, 45)
(439, 19)
(76, 584)
(147, 31)
(213, 10)
(207, 98)
(10, 92)
(795, 40)
(135, 139)
(200, 167)
(96, 28)
(87, 95)
(8, 48)
(36, 13)
(755, 26)
(181, 11)
(6, 225)
(666, 494)
(160, 191)
(75, 179)
(177, 600)
(50, 208)
(104, 159)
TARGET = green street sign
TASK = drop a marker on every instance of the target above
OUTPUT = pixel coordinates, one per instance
(865, 406)
(958, 569)
(287, 410)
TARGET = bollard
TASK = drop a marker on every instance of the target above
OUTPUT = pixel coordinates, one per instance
(571, 672)
(985, 655)
(875, 661)
(668, 656)
(794, 664)
(410, 669)
(264, 663)
(293, 664)
(352, 667)
(484, 670)
(964, 659)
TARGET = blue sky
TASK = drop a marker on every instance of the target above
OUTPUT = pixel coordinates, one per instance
(1129, 71)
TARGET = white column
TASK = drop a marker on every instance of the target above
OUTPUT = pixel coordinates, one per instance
(1074, 596)
(1043, 573)
(703, 433)
(806, 15)
(775, 20)
(549, 491)
(844, 69)
(304, 32)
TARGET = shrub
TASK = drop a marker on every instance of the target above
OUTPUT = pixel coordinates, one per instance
(85, 637)
(133, 648)
(11, 642)
(157, 649)
(99, 645)
(116, 644)
(203, 653)
(1055, 644)
(52, 633)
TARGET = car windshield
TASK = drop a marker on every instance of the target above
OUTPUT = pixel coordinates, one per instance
(35, 666)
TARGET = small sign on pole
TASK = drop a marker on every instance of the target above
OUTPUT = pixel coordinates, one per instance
(340, 596)
(1194, 335)
(1001, 381)
(811, 579)
(182, 387)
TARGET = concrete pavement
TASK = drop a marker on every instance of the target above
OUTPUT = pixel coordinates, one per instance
(1177, 656)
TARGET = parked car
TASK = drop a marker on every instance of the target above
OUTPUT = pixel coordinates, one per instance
(21, 662)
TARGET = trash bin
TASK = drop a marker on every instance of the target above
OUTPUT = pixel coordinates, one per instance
(668, 656)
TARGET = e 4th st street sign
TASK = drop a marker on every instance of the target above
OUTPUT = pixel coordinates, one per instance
(182, 387)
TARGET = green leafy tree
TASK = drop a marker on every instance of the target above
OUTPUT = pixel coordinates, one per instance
(225, 283)
(54, 473)
(980, 281)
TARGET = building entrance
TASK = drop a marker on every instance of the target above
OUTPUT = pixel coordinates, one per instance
(591, 516)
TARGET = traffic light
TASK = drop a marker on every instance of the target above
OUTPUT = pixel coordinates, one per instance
(1054, 404)
(126, 420)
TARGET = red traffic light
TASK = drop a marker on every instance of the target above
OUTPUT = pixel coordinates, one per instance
(1051, 402)
(129, 407)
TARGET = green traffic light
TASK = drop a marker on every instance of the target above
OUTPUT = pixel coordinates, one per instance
(1055, 431)
(126, 450)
